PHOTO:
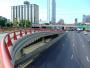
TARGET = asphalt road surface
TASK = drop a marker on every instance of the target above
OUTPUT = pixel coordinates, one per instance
(71, 51)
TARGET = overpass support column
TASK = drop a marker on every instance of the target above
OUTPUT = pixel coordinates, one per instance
(44, 40)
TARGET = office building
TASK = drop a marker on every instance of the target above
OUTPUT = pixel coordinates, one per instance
(34, 13)
(25, 12)
(51, 11)
(48, 11)
(86, 18)
(53, 20)
(76, 21)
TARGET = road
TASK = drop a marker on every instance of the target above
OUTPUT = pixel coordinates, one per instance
(71, 51)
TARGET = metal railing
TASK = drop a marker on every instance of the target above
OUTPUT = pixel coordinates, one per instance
(9, 39)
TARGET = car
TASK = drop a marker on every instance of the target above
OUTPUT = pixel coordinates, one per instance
(78, 29)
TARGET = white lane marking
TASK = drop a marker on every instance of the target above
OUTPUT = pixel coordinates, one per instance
(87, 59)
(72, 57)
(62, 44)
(83, 46)
(73, 45)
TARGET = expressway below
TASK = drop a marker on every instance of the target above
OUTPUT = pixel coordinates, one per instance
(71, 51)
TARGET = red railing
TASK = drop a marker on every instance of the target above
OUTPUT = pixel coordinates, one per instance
(6, 42)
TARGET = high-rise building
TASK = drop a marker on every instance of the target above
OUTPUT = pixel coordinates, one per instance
(48, 11)
(53, 20)
(51, 11)
(25, 12)
(86, 18)
(34, 13)
(76, 21)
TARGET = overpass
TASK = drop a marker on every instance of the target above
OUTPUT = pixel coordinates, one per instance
(87, 26)
(16, 46)
(44, 48)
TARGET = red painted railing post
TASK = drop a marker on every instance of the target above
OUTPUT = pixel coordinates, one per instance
(30, 31)
(15, 37)
(20, 33)
(8, 53)
(9, 42)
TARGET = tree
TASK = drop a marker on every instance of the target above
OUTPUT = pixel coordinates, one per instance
(9, 24)
(15, 23)
(62, 28)
(83, 29)
(3, 21)
(61, 22)
(25, 23)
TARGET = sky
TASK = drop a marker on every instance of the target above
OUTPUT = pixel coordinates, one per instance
(65, 9)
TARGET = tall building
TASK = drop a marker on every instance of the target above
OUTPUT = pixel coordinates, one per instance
(51, 11)
(86, 18)
(48, 11)
(53, 20)
(34, 13)
(76, 21)
(25, 12)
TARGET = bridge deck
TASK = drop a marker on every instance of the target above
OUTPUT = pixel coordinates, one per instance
(32, 48)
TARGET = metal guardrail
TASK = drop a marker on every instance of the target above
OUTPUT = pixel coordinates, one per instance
(6, 44)
(28, 39)
(24, 60)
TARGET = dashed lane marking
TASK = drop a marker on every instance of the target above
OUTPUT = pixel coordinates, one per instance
(83, 46)
(87, 59)
(73, 45)
(72, 57)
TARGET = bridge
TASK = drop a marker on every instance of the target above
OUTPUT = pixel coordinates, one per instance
(16, 48)
(66, 26)
(44, 48)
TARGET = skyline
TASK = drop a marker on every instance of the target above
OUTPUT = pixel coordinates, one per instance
(67, 10)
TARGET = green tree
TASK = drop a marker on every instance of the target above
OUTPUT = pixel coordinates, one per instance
(25, 23)
(16, 23)
(62, 28)
(3, 21)
(83, 28)
(10, 24)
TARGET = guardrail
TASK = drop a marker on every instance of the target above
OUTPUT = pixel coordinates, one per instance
(27, 39)
(9, 39)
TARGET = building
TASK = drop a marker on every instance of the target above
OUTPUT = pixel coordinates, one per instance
(48, 11)
(34, 13)
(86, 18)
(60, 22)
(76, 21)
(51, 11)
(53, 20)
(25, 12)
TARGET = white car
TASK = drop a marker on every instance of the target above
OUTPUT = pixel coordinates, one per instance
(78, 29)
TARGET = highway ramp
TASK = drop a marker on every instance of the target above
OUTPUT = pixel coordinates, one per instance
(71, 51)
